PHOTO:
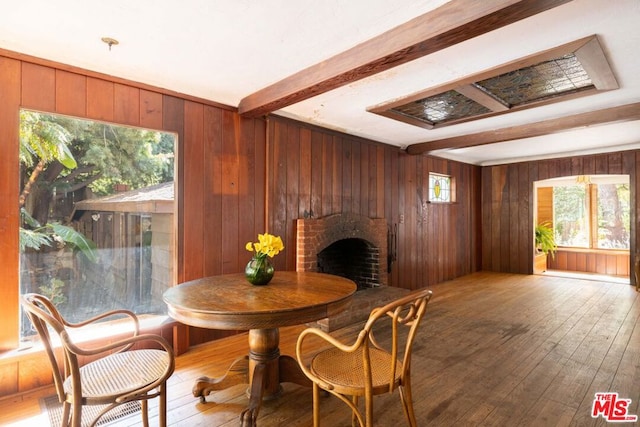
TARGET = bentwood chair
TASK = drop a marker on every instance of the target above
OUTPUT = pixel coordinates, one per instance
(367, 368)
(120, 375)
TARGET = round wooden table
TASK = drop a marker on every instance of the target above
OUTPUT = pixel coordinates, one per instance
(230, 302)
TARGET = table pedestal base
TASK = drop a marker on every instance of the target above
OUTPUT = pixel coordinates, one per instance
(263, 369)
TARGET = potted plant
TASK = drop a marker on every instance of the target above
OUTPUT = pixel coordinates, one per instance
(544, 239)
(545, 244)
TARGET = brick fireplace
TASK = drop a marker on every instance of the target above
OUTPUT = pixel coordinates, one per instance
(347, 245)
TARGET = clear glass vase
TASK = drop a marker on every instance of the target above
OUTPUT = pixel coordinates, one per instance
(259, 271)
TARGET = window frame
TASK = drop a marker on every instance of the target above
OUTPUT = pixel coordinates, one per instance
(592, 183)
(450, 190)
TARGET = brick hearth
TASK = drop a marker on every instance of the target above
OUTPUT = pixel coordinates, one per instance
(362, 303)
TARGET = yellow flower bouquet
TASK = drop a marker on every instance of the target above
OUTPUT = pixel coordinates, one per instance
(267, 245)
(259, 271)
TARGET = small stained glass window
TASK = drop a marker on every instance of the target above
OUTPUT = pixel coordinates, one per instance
(439, 188)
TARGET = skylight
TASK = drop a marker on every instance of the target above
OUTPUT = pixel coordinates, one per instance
(575, 69)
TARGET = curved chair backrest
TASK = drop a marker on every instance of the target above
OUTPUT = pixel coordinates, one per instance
(45, 317)
(406, 311)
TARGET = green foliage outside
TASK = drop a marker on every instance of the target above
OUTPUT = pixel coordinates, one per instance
(572, 216)
(60, 156)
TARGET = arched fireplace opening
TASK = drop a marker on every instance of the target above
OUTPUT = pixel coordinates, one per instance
(355, 259)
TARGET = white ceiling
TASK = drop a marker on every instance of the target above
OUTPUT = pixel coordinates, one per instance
(225, 50)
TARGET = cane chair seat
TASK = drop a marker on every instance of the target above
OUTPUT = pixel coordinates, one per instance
(119, 374)
(115, 375)
(344, 370)
(369, 366)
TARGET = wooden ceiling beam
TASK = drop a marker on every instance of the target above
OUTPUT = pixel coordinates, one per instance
(623, 113)
(450, 24)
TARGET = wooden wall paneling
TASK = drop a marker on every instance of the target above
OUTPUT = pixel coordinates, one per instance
(402, 235)
(452, 218)
(71, 90)
(461, 223)
(455, 226)
(561, 260)
(442, 234)
(368, 172)
(317, 175)
(278, 187)
(292, 191)
(411, 219)
(413, 252)
(421, 226)
(571, 262)
(602, 165)
(231, 194)
(260, 175)
(576, 165)
(212, 191)
(622, 265)
(346, 190)
(552, 168)
(601, 263)
(588, 165)
(173, 121)
(542, 169)
(628, 163)
(10, 84)
(514, 245)
(38, 88)
(306, 176)
(100, 99)
(524, 214)
(327, 175)
(581, 261)
(430, 240)
(192, 183)
(337, 202)
(476, 217)
(368, 164)
(355, 158)
(615, 163)
(150, 109)
(564, 166)
(486, 223)
(611, 263)
(392, 207)
(631, 166)
(126, 104)
(378, 197)
(502, 212)
(592, 266)
(250, 222)
(465, 256)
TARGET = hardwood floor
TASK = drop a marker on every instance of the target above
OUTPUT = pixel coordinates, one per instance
(495, 350)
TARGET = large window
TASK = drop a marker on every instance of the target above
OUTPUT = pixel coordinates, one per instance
(592, 212)
(97, 209)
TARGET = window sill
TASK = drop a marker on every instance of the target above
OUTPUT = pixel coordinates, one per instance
(104, 331)
(595, 251)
